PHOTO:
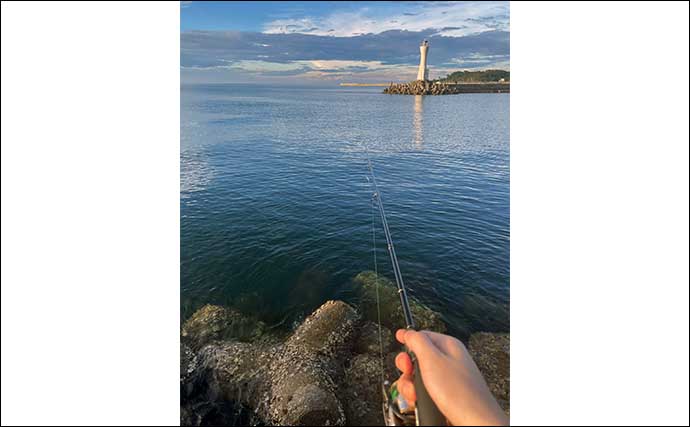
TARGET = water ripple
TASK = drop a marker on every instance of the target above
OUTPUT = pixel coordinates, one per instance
(276, 212)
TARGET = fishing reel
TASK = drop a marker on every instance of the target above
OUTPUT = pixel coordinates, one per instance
(396, 410)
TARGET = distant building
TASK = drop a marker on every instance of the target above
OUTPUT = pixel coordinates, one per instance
(423, 73)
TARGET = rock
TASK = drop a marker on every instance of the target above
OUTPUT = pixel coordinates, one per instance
(491, 353)
(487, 314)
(391, 311)
(205, 398)
(327, 372)
(213, 322)
(362, 393)
(187, 362)
(368, 340)
(419, 87)
(327, 331)
(221, 413)
(303, 382)
(235, 371)
(291, 383)
(426, 87)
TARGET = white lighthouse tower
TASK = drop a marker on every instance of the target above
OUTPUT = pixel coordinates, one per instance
(423, 73)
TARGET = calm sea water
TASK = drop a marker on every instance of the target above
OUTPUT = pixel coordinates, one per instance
(276, 212)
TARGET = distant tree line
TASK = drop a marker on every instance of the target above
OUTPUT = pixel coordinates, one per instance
(477, 76)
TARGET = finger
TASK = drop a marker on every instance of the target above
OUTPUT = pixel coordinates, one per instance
(404, 363)
(400, 335)
(419, 343)
(444, 343)
(406, 388)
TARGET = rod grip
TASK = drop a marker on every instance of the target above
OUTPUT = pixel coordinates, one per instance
(428, 413)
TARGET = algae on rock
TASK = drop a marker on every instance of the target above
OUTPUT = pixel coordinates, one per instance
(328, 371)
(213, 323)
(491, 353)
(391, 311)
(283, 383)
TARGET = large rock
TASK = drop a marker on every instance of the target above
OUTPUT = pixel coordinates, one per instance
(303, 382)
(236, 371)
(368, 340)
(362, 393)
(290, 383)
(213, 323)
(188, 362)
(327, 372)
(362, 390)
(391, 310)
(491, 353)
(205, 378)
(327, 331)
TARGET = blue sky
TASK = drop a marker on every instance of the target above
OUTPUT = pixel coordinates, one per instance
(327, 42)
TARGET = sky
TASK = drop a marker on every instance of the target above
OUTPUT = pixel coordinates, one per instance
(328, 42)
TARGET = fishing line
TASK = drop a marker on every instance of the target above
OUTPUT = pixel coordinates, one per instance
(376, 281)
(397, 411)
(409, 321)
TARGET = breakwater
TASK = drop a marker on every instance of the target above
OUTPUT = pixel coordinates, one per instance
(425, 87)
(234, 370)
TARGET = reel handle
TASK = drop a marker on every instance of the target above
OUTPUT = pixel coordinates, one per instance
(428, 413)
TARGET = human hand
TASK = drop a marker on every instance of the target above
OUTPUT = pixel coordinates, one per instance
(450, 376)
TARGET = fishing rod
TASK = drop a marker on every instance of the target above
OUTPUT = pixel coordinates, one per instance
(396, 410)
(409, 321)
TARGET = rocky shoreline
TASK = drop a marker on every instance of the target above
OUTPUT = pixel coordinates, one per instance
(326, 372)
(426, 87)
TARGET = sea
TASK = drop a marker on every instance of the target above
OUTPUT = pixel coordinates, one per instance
(276, 212)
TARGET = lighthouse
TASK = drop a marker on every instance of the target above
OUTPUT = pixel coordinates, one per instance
(423, 73)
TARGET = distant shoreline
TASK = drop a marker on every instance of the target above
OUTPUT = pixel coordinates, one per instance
(365, 84)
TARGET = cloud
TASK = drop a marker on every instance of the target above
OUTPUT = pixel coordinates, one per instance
(209, 48)
(478, 58)
(367, 49)
(267, 67)
(313, 67)
(323, 70)
(464, 17)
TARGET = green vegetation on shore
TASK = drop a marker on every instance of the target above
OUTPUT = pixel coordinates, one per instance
(477, 76)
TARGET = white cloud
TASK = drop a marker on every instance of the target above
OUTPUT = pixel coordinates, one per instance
(205, 68)
(325, 66)
(333, 70)
(475, 60)
(331, 64)
(266, 66)
(451, 19)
